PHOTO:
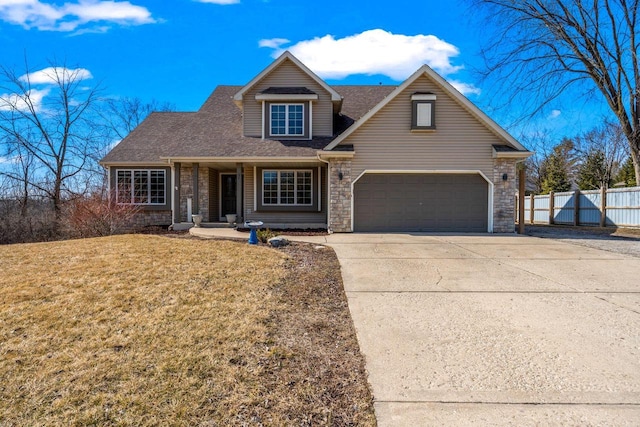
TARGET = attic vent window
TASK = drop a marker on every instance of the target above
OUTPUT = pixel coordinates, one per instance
(423, 115)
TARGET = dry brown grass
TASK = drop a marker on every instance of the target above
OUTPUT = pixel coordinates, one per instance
(148, 330)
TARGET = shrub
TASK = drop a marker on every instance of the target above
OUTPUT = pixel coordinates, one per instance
(265, 235)
(96, 215)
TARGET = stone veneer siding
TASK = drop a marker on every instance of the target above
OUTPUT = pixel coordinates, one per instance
(340, 195)
(145, 219)
(186, 191)
(504, 195)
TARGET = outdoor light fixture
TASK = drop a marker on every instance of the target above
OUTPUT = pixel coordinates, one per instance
(340, 176)
(504, 177)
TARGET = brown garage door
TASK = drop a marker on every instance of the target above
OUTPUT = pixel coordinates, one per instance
(420, 202)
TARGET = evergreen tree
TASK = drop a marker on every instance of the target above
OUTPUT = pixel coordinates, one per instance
(557, 168)
(627, 174)
(593, 172)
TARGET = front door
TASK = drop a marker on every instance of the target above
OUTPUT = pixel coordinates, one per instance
(228, 194)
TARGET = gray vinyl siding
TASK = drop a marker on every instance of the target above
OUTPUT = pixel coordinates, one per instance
(284, 217)
(459, 142)
(286, 75)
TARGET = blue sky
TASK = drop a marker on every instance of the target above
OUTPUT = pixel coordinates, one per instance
(178, 51)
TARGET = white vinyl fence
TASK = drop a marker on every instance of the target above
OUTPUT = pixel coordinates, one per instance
(618, 207)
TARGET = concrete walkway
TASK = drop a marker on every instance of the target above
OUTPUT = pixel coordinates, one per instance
(494, 329)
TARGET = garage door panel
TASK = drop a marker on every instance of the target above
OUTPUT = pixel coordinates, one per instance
(420, 202)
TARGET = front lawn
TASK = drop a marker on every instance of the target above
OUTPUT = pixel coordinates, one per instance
(151, 330)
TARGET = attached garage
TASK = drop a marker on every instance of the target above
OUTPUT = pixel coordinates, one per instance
(421, 202)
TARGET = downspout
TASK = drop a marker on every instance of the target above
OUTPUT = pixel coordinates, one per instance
(328, 192)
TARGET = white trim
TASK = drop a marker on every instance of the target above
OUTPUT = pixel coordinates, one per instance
(423, 97)
(444, 85)
(136, 164)
(279, 190)
(334, 154)
(264, 118)
(440, 172)
(238, 97)
(285, 97)
(310, 120)
(234, 160)
(148, 171)
(512, 154)
(286, 118)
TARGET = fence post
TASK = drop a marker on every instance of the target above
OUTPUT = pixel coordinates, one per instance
(552, 207)
(532, 208)
(576, 208)
(603, 207)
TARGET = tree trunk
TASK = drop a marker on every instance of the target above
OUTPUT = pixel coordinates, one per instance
(635, 156)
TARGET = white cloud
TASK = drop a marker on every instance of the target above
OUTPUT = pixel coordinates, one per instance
(50, 75)
(273, 43)
(72, 16)
(555, 114)
(465, 88)
(223, 2)
(12, 102)
(372, 52)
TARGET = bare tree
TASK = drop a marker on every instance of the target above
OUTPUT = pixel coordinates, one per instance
(123, 115)
(19, 171)
(47, 117)
(540, 48)
(603, 150)
(118, 118)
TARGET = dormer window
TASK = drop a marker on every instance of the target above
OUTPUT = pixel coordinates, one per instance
(287, 120)
(287, 112)
(423, 114)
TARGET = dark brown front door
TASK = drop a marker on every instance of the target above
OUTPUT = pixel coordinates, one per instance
(228, 194)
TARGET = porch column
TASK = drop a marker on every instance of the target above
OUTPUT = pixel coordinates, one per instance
(239, 192)
(196, 192)
(176, 192)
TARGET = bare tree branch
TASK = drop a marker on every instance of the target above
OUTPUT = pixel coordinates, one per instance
(541, 48)
(51, 120)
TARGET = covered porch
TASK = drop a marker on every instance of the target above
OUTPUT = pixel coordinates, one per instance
(215, 188)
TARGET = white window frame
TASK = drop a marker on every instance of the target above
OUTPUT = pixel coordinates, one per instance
(132, 187)
(295, 185)
(286, 118)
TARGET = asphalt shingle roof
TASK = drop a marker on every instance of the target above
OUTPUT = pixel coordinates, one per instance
(216, 130)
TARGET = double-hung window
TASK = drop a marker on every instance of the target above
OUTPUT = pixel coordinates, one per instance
(141, 187)
(287, 188)
(287, 119)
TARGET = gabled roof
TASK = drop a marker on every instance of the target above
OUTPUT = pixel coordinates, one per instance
(215, 131)
(335, 96)
(444, 85)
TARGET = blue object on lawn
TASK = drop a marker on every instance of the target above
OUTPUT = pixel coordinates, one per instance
(253, 235)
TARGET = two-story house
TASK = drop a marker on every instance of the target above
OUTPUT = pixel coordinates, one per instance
(294, 152)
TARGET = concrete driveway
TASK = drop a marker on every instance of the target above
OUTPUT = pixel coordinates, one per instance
(494, 330)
